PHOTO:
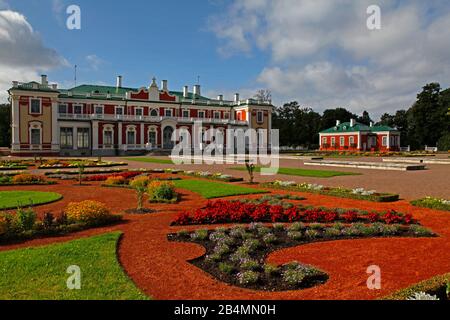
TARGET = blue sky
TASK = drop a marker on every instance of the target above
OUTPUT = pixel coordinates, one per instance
(166, 39)
(318, 52)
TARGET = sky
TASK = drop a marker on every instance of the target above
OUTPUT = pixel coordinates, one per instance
(317, 52)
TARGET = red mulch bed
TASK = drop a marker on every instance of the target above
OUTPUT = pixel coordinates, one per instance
(161, 270)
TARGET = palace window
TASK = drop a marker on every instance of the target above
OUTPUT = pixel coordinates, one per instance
(139, 112)
(185, 113)
(201, 114)
(385, 141)
(226, 115)
(131, 137)
(168, 113)
(154, 113)
(119, 111)
(108, 138)
(66, 138)
(351, 140)
(98, 110)
(333, 141)
(152, 137)
(216, 114)
(341, 141)
(35, 106)
(78, 109)
(324, 140)
(35, 136)
(260, 117)
(62, 109)
(83, 138)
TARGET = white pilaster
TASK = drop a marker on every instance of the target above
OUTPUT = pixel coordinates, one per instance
(119, 136)
(359, 140)
(75, 138)
(142, 135)
(15, 125)
(95, 135)
(55, 127)
(388, 141)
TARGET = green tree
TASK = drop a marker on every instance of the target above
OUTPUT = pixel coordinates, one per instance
(330, 116)
(5, 125)
(365, 118)
(427, 117)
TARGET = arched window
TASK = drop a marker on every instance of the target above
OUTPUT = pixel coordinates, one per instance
(154, 113)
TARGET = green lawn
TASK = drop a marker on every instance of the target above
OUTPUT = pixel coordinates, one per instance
(305, 172)
(151, 160)
(13, 199)
(210, 189)
(40, 273)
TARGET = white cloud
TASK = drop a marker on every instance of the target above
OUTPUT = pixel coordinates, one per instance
(22, 54)
(323, 54)
(94, 62)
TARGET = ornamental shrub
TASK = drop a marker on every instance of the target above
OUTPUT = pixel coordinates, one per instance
(115, 181)
(248, 277)
(27, 178)
(5, 223)
(25, 219)
(161, 190)
(87, 211)
(139, 184)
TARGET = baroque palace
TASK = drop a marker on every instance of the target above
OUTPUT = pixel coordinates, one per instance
(92, 120)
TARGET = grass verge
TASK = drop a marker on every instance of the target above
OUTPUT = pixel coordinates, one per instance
(151, 160)
(14, 199)
(210, 189)
(305, 172)
(40, 273)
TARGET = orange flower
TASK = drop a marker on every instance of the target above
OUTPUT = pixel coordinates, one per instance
(86, 211)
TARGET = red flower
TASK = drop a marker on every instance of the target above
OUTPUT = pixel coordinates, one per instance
(276, 213)
(350, 216)
(373, 217)
(182, 218)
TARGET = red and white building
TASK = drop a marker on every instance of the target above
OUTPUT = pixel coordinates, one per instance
(113, 120)
(354, 136)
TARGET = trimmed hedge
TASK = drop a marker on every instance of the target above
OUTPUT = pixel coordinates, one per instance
(434, 286)
(337, 192)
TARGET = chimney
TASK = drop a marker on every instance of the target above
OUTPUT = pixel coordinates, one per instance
(197, 90)
(220, 97)
(371, 124)
(44, 81)
(119, 82)
(338, 123)
(185, 91)
(164, 85)
(236, 97)
(352, 122)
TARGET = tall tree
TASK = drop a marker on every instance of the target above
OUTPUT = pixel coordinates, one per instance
(426, 118)
(263, 95)
(365, 118)
(330, 116)
(5, 125)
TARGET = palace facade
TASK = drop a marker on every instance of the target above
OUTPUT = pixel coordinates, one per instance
(92, 120)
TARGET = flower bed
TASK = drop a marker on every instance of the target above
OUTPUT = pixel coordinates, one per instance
(126, 175)
(432, 203)
(61, 173)
(14, 165)
(23, 179)
(213, 176)
(237, 255)
(437, 287)
(221, 211)
(24, 225)
(74, 163)
(358, 193)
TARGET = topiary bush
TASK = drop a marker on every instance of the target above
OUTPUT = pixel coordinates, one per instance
(161, 191)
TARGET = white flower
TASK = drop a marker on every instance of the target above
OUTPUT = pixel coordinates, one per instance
(423, 296)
